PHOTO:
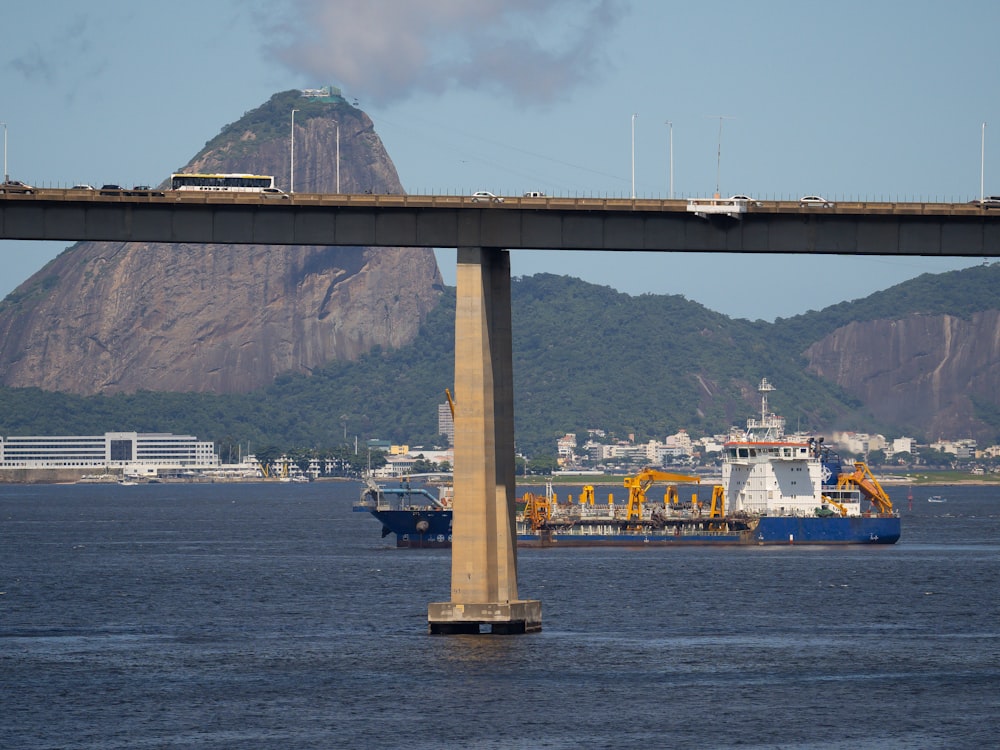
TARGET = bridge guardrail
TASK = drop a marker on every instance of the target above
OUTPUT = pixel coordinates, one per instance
(401, 200)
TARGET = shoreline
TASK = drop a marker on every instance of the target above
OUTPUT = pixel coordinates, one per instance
(560, 481)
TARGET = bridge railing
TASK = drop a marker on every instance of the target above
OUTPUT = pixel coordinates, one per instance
(400, 200)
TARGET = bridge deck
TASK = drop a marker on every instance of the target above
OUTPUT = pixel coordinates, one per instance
(615, 224)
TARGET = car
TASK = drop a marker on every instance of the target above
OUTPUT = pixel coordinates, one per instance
(83, 186)
(989, 201)
(815, 201)
(15, 186)
(534, 194)
(273, 193)
(111, 189)
(143, 190)
(744, 199)
(485, 195)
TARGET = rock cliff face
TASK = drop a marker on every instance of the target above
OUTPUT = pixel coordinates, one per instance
(927, 372)
(115, 317)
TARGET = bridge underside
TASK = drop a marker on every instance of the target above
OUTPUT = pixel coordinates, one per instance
(865, 231)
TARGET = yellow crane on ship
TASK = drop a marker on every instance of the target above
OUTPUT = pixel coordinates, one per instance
(641, 482)
(864, 480)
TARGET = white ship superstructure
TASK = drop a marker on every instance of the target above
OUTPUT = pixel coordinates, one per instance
(765, 473)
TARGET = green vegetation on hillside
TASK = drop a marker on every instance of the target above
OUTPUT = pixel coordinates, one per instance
(270, 121)
(585, 356)
(958, 293)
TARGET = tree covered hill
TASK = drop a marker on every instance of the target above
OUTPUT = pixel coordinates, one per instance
(957, 293)
(585, 356)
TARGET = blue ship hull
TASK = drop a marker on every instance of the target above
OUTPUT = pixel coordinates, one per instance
(431, 528)
(830, 530)
(425, 527)
(629, 539)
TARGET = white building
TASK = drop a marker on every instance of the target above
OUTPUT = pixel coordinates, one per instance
(859, 443)
(712, 444)
(446, 422)
(132, 453)
(566, 449)
(401, 464)
(681, 440)
(902, 445)
(965, 448)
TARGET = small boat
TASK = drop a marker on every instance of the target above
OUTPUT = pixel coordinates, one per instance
(937, 499)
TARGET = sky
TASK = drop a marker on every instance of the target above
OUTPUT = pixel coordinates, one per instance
(876, 100)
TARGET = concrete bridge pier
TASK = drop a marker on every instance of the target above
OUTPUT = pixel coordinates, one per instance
(484, 537)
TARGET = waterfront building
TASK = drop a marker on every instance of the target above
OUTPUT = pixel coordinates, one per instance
(132, 453)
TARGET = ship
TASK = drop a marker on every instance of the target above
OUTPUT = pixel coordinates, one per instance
(415, 514)
(775, 489)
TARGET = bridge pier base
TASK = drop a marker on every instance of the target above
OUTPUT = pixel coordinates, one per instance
(483, 534)
(508, 618)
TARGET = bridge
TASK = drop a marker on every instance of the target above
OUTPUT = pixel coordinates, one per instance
(484, 591)
(860, 228)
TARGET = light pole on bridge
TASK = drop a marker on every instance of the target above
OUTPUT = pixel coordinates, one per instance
(718, 158)
(982, 167)
(6, 177)
(634, 115)
(671, 158)
(291, 177)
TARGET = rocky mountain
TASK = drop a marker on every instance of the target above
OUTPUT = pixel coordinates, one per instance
(937, 374)
(121, 317)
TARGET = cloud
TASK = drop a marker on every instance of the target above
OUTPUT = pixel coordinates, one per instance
(33, 64)
(531, 51)
(58, 57)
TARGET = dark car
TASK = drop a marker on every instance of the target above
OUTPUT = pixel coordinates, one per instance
(110, 189)
(15, 186)
(141, 190)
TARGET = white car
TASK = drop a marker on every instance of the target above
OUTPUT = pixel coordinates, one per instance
(744, 199)
(815, 201)
(485, 195)
(989, 201)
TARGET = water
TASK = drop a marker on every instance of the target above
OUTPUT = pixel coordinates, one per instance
(271, 616)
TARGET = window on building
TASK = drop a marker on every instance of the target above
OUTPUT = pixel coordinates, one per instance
(121, 450)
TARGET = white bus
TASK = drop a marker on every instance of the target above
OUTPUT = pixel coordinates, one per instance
(239, 183)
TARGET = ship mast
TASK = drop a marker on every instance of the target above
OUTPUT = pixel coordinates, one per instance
(764, 388)
(770, 426)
